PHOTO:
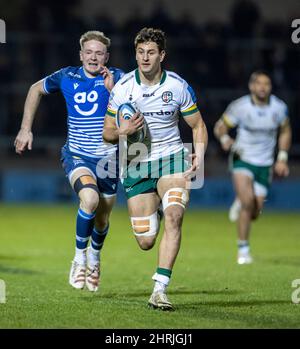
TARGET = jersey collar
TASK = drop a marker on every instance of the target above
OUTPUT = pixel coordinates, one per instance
(83, 74)
(138, 79)
(258, 105)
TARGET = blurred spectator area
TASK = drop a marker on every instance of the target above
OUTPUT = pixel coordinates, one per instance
(215, 55)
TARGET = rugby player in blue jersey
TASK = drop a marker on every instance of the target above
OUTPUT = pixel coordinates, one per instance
(85, 158)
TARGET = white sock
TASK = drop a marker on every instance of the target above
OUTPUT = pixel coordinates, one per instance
(238, 203)
(80, 255)
(243, 246)
(94, 256)
(161, 282)
(159, 287)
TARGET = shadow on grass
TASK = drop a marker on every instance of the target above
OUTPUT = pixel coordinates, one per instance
(12, 258)
(249, 303)
(281, 260)
(195, 292)
(12, 270)
(142, 293)
(8, 259)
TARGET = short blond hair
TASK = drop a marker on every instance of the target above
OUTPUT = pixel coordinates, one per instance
(94, 35)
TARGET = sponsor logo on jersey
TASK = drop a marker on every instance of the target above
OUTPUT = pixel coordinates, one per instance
(148, 94)
(75, 85)
(161, 112)
(82, 98)
(167, 96)
(261, 113)
(99, 82)
(74, 75)
(78, 162)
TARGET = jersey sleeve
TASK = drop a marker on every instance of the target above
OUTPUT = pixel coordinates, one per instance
(118, 74)
(283, 114)
(231, 116)
(116, 98)
(188, 103)
(52, 82)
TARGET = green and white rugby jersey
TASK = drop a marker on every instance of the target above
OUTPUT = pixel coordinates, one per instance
(161, 105)
(257, 128)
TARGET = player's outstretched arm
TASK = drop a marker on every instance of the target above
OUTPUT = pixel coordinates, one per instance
(221, 133)
(284, 143)
(200, 140)
(24, 137)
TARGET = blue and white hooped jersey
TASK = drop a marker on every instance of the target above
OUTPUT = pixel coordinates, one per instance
(86, 99)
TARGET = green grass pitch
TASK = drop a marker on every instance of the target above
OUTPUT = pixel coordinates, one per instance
(208, 288)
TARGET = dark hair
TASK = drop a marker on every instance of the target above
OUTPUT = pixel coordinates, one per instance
(151, 34)
(257, 73)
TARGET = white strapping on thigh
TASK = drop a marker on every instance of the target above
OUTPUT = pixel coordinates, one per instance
(145, 226)
(71, 174)
(260, 190)
(175, 196)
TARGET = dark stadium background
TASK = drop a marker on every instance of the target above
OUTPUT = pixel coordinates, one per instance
(214, 46)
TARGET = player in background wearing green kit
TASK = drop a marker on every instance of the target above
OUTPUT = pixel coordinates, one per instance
(259, 117)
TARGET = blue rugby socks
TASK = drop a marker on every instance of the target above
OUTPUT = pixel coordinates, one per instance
(97, 241)
(84, 228)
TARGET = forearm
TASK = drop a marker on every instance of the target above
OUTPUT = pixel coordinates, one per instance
(31, 104)
(110, 135)
(200, 138)
(285, 140)
(221, 131)
(284, 144)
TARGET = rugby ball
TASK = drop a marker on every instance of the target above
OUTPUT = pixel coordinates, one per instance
(127, 111)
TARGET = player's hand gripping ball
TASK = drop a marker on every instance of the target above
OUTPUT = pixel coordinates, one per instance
(127, 111)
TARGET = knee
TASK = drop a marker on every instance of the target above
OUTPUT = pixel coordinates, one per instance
(146, 244)
(247, 204)
(89, 200)
(145, 230)
(101, 222)
(173, 218)
(256, 214)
